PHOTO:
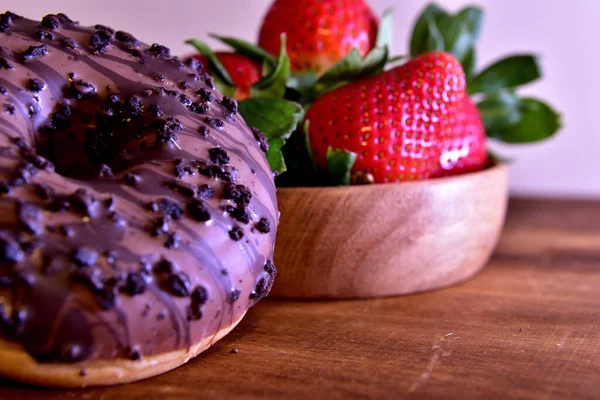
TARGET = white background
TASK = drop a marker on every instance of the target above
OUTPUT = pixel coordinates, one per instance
(564, 34)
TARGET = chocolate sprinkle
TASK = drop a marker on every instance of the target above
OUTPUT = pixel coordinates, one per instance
(10, 250)
(263, 287)
(44, 192)
(205, 95)
(9, 109)
(263, 226)
(199, 108)
(45, 35)
(270, 268)
(230, 104)
(261, 139)
(35, 52)
(172, 241)
(179, 284)
(36, 85)
(159, 51)
(100, 41)
(4, 64)
(214, 122)
(82, 90)
(199, 295)
(134, 354)
(135, 284)
(236, 233)
(234, 295)
(168, 208)
(50, 21)
(64, 19)
(61, 118)
(240, 194)
(105, 171)
(127, 38)
(5, 20)
(159, 77)
(69, 43)
(109, 31)
(85, 257)
(130, 179)
(205, 192)
(198, 211)
(218, 156)
(156, 110)
(239, 213)
(5, 188)
(30, 217)
(203, 131)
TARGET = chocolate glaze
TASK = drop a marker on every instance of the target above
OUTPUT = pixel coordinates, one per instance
(130, 190)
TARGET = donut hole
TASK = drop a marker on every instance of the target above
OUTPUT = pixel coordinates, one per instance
(88, 138)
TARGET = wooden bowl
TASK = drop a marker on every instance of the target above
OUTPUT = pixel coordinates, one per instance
(387, 239)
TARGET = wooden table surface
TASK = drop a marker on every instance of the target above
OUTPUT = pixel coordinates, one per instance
(527, 327)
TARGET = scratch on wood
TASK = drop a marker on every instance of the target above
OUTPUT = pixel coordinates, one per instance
(438, 351)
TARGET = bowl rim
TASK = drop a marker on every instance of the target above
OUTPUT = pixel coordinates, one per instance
(490, 169)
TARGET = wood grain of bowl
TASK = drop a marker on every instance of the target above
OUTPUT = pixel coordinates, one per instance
(387, 239)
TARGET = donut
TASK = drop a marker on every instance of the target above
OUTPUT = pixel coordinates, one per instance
(138, 212)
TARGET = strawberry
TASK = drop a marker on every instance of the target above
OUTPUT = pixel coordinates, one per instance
(395, 122)
(464, 150)
(244, 71)
(319, 32)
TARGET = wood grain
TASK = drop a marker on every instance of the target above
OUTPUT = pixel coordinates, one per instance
(527, 327)
(389, 239)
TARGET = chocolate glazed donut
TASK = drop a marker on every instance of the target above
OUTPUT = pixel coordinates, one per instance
(137, 209)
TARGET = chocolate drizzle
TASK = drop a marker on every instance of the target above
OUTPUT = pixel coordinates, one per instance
(128, 187)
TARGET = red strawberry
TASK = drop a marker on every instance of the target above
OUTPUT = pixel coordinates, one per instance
(244, 71)
(395, 121)
(464, 149)
(319, 32)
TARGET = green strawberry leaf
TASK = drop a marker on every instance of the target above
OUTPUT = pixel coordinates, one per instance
(301, 170)
(426, 35)
(339, 164)
(266, 69)
(274, 83)
(498, 159)
(500, 111)
(435, 29)
(302, 82)
(468, 64)
(351, 68)
(435, 39)
(225, 89)
(509, 72)
(538, 122)
(251, 50)
(276, 118)
(385, 35)
(458, 40)
(373, 63)
(472, 18)
(212, 59)
(459, 32)
(275, 156)
(396, 61)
